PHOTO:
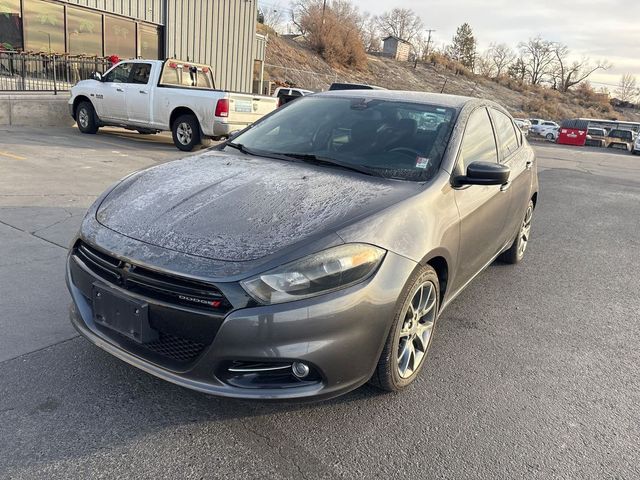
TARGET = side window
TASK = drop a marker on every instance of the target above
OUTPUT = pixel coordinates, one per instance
(506, 133)
(478, 143)
(140, 73)
(120, 74)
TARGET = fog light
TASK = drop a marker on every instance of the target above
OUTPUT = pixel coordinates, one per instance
(300, 369)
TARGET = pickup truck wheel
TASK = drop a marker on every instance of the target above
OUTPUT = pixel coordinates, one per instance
(186, 132)
(86, 118)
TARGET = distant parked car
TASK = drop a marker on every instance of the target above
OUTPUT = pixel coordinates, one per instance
(543, 127)
(523, 124)
(549, 130)
(354, 86)
(596, 137)
(286, 95)
(636, 146)
(619, 138)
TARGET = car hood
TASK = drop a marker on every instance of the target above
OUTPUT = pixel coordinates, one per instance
(240, 208)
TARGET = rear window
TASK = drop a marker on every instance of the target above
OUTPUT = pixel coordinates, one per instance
(622, 134)
(187, 75)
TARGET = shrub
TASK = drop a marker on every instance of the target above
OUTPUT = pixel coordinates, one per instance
(337, 39)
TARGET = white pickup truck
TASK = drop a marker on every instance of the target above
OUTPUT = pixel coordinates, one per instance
(154, 95)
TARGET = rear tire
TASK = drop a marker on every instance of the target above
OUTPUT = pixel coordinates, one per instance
(186, 132)
(516, 251)
(86, 118)
(407, 345)
(550, 136)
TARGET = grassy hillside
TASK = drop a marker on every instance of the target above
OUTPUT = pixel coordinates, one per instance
(289, 61)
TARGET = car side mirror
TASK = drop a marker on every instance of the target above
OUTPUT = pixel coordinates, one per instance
(484, 173)
(96, 76)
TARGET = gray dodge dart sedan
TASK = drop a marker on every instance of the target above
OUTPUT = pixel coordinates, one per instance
(311, 253)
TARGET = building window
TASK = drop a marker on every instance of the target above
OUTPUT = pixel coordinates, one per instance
(43, 27)
(149, 41)
(119, 37)
(84, 32)
(10, 25)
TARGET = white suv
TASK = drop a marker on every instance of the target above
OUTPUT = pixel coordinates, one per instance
(636, 146)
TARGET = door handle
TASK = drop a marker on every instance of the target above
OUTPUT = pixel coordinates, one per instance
(143, 91)
(505, 186)
(529, 164)
(119, 90)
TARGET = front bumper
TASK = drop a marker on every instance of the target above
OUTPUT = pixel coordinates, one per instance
(340, 335)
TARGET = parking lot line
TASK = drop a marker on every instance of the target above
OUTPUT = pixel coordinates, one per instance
(11, 155)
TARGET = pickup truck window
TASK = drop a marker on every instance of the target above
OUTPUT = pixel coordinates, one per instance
(120, 74)
(190, 75)
(140, 73)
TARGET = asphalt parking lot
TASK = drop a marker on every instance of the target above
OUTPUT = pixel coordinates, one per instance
(534, 370)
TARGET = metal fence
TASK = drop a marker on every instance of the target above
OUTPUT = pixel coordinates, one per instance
(45, 73)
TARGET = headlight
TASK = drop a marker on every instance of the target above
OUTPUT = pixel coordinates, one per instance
(322, 272)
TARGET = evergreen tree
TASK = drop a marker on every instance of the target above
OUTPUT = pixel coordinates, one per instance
(463, 47)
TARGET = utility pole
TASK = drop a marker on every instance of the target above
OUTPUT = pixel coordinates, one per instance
(430, 31)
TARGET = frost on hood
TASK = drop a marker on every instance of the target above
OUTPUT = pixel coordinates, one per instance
(241, 208)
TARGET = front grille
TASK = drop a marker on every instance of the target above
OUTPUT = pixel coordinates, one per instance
(175, 351)
(178, 348)
(183, 333)
(160, 286)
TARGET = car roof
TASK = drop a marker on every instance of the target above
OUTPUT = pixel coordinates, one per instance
(440, 99)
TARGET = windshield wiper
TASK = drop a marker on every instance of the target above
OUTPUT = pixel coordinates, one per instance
(241, 147)
(310, 158)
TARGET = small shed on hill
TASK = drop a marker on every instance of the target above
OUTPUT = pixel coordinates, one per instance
(396, 48)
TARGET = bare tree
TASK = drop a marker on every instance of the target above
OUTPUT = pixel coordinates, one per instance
(500, 56)
(485, 66)
(538, 56)
(332, 29)
(370, 32)
(567, 74)
(627, 90)
(272, 16)
(419, 48)
(401, 22)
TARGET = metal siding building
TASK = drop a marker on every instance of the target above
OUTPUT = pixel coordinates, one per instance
(220, 33)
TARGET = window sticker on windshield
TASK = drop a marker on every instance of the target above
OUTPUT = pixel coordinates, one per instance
(422, 162)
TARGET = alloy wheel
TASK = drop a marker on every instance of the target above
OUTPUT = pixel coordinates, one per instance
(525, 231)
(83, 118)
(417, 327)
(184, 133)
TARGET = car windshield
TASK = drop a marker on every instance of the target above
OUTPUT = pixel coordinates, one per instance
(392, 139)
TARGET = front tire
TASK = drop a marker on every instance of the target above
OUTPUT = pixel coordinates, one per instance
(86, 118)
(515, 254)
(405, 351)
(186, 132)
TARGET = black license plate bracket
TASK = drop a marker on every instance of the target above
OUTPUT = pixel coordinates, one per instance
(124, 315)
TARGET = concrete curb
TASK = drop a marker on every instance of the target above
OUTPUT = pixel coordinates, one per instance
(35, 110)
